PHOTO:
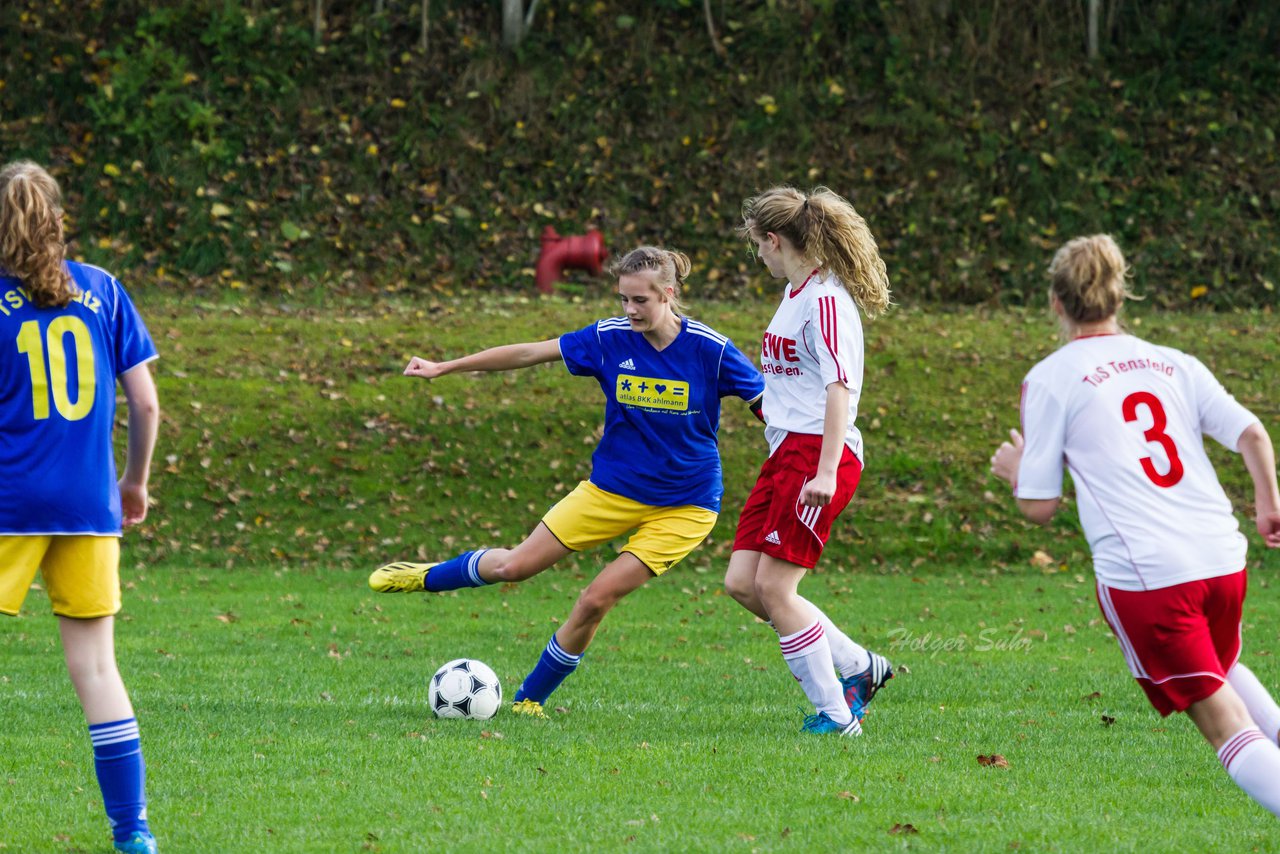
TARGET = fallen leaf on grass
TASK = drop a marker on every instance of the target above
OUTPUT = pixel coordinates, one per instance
(995, 760)
(1107, 720)
(850, 796)
(903, 828)
(1042, 559)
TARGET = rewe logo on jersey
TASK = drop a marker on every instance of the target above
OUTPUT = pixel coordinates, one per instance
(773, 538)
(628, 365)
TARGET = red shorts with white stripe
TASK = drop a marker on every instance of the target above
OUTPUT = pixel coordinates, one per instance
(775, 522)
(1179, 641)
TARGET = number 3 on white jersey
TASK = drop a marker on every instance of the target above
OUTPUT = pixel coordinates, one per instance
(1155, 433)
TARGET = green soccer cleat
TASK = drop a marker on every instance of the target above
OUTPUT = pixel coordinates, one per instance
(532, 708)
(401, 577)
(138, 843)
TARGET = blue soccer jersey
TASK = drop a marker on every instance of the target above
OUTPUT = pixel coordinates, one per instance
(58, 369)
(662, 409)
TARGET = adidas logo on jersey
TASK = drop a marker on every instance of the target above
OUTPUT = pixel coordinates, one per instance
(773, 538)
(628, 365)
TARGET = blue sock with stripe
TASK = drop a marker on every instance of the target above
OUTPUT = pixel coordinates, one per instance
(117, 757)
(456, 572)
(553, 667)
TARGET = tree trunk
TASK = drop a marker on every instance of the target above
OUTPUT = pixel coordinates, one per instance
(1093, 28)
(716, 44)
(426, 21)
(512, 22)
(317, 19)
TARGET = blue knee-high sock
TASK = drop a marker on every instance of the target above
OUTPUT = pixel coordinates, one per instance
(456, 572)
(552, 668)
(117, 757)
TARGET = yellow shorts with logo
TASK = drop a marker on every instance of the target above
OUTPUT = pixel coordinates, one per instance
(81, 573)
(663, 536)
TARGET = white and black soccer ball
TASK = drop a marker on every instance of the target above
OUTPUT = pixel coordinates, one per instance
(465, 688)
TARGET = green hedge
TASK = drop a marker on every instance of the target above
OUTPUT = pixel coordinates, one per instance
(219, 145)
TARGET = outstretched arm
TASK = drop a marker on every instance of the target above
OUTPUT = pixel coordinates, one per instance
(1004, 465)
(505, 358)
(1260, 460)
(144, 419)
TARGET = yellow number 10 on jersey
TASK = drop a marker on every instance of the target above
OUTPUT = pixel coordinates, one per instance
(50, 350)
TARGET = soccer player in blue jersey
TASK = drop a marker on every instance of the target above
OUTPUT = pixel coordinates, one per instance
(654, 475)
(68, 332)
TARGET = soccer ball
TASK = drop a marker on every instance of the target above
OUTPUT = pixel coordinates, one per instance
(465, 688)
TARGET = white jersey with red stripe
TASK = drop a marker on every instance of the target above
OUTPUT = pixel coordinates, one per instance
(814, 339)
(1129, 418)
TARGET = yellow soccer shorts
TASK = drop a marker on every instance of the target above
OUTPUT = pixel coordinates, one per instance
(663, 536)
(81, 573)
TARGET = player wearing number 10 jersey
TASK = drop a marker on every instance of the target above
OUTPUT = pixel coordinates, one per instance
(1128, 419)
(68, 333)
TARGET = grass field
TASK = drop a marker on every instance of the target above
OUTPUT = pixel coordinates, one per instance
(283, 705)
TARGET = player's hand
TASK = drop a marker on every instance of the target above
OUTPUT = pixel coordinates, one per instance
(1007, 458)
(422, 368)
(133, 502)
(819, 491)
(1269, 528)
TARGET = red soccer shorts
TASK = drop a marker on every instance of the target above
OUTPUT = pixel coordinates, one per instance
(775, 522)
(1180, 641)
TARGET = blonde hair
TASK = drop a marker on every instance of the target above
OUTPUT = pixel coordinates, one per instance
(32, 248)
(671, 265)
(1087, 275)
(824, 226)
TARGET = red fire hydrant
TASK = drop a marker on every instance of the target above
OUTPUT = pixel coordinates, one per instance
(578, 252)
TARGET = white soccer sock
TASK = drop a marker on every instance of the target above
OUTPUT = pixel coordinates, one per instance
(1262, 708)
(809, 657)
(849, 658)
(1253, 762)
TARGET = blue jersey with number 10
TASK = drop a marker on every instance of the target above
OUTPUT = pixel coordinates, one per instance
(58, 369)
(662, 408)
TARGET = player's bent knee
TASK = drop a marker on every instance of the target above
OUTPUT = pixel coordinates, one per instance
(742, 592)
(593, 604)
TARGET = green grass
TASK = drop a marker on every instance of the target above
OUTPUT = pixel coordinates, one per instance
(286, 710)
(283, 705)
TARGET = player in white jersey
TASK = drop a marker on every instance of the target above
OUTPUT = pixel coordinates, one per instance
(811, 358)
(1128, 419)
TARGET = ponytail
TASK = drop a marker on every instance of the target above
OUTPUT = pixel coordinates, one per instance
(31, 242)
(1087, 275)
(825, 227)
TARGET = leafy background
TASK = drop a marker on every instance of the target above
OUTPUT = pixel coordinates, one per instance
(239, 147)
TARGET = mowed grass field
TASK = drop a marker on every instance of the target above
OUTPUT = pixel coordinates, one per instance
(283, 704)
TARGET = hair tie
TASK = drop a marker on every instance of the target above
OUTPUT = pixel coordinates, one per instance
(806, 204)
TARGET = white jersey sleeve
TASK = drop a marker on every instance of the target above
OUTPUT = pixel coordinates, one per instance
(835, 335)
(1044, 434)
(1221, 416)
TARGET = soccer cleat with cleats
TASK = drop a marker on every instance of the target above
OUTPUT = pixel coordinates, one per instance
(532, 708)
(822, 724)
(861, 687)
(137, 843)
(400, 577)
